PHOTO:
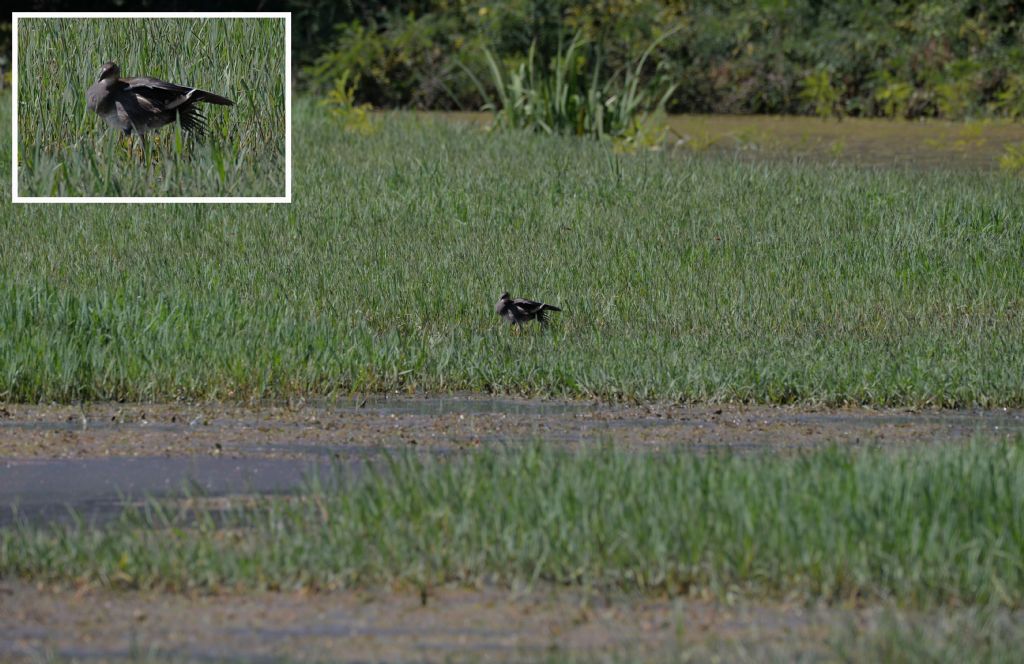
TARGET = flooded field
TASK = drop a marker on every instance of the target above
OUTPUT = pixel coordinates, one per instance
(371, 424)
(94, 457)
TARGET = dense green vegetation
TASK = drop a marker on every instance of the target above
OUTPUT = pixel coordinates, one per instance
(892, 58)
(65, 150)
(563, 97)
(923, 527)
(974, 635)
(681, 278)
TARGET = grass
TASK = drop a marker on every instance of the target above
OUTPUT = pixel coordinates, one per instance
(681, 278)
(562, 97)
(958, 636)
(66, 150)
(921, 527)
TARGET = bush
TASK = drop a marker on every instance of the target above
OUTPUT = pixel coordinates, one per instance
(569, 96)
(911, 59)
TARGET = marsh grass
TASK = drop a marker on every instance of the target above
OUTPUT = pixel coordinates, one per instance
(566, 96)
(972, 635)
(922, 527)
(66, 150)
(681, 278)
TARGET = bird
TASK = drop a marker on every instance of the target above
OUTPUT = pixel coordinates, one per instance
(518, 311)
(138, 105)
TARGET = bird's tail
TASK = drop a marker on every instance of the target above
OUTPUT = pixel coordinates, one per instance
(542, 315)
(209, 97)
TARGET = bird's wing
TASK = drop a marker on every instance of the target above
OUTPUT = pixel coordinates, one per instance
(155, 87)
(203, 95)
(171, 95)
(527, 306)
(147, 104)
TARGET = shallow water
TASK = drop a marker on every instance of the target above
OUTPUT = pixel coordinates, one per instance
(45, 490)
(95, 457)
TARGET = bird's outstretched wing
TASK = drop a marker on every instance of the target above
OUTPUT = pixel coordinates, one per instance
(171, 95)
(528, 307)
(532, 306)
(533, 309)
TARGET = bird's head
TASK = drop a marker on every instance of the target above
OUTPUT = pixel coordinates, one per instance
(109, 70)
(504, 296)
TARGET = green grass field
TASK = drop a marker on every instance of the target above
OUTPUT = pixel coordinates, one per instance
(924, 527)
(682, 278)
(66, 150)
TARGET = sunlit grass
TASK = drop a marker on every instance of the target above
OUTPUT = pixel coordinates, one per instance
(923, 527)
(680, 278)
(66, 150)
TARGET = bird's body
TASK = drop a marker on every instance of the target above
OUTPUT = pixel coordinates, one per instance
(519, 310)
(138, 105)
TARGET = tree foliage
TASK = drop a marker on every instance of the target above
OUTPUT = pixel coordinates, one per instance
(888, 58)
(944, 58)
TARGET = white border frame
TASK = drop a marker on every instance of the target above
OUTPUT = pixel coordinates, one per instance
(287, 198)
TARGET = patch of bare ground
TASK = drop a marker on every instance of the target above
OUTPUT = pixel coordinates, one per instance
(394, 625)
(38, 623)
(458, 422)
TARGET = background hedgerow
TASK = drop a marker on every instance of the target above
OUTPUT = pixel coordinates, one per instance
(960, 58)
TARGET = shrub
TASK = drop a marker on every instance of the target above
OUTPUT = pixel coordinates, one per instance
(570, 96)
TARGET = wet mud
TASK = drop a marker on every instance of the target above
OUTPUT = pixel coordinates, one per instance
(392, 625)
(353, 427)
(453, 624)
(95, 458)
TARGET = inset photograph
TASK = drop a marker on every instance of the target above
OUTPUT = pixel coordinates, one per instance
(151, 107)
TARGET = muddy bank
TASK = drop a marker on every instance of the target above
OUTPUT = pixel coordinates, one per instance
(455, 624)
(98, 489)
(96, 458)
(340, 429)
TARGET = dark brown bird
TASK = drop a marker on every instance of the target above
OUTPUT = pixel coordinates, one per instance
(138, 105)
(518, 311)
